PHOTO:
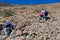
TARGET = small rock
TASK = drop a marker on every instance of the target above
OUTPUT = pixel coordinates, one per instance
(30, 32)
(28, 38)
(40, 26)
(48, 38)
(33, 35)
(18, 32)
(23, 38)
(21, 25)
(28, 23)
(58, 37)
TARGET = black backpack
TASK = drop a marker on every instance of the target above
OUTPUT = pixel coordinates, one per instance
(46, 13)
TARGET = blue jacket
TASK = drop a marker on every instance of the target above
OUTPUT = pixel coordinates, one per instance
(8, 25)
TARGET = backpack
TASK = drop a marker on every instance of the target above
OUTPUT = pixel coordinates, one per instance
(46, 13)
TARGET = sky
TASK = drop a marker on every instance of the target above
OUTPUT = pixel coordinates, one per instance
(29, 1)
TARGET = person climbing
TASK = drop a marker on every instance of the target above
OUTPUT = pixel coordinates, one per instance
(42, 15)
(8, 27)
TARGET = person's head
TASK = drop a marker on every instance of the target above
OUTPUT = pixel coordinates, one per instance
(7, 23)
(43, 10)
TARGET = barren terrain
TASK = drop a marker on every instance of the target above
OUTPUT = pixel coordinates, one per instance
(27, 23)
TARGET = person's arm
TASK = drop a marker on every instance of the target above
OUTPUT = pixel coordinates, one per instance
(13, 26)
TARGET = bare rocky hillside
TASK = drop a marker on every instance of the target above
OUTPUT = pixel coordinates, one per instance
(27, 22)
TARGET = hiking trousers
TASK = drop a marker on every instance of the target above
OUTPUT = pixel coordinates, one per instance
(8, 31)
(42, 18)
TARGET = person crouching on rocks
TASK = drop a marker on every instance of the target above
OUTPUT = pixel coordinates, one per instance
(42, 15)
(8, 27)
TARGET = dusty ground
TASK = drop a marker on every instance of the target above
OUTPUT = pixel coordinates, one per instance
(27, 20)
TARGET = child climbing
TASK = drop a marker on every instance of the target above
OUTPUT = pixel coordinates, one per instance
(8, 27)
(42, 15)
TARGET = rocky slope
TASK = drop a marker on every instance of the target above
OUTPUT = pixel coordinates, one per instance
(28, 25)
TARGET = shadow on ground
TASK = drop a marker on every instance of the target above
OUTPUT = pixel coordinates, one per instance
(47, 18)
